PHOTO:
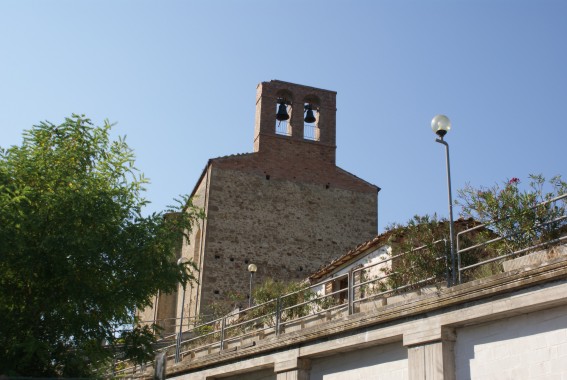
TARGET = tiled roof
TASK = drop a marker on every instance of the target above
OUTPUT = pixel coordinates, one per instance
(350, 255)
(231, 155)
(358, 178)
(209, 162)
(362, 248)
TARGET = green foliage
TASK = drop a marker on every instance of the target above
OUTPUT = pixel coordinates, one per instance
(137, 344)
(77, 256)
(415, 265)
(512, 213)
(220, 308)
(329, 302)
(290, 294)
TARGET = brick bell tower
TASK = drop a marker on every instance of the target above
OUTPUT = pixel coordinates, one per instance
(296, 100)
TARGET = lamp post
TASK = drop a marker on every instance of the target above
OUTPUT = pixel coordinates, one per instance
(252, 268)
(181, 261)
(441, 125)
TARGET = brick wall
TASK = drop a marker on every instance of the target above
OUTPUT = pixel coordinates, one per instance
(324, 101)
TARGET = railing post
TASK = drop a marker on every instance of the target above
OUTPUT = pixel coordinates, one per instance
(447, 268)
(350, 290)
(178, 348)
(223, 326)
(278, 315)
(458, 261)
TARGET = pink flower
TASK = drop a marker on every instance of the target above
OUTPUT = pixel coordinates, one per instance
(514, 181)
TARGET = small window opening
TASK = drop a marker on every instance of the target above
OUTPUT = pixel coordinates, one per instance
(340, 288)
(246, 261)
(217, 291)
(310, 125)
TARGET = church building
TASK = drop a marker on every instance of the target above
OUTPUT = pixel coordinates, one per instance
(286, 207)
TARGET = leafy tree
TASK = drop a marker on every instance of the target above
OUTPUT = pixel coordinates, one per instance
(76, 255)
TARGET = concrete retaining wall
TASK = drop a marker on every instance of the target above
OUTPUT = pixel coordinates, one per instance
(387, 362)
(530, 346)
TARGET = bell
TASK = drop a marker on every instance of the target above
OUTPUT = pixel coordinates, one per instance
(309, 117)
(282, 112)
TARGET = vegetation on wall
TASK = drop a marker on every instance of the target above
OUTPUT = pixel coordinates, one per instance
(77, 255)
(420, 250)
(514, 214)
(289, 293)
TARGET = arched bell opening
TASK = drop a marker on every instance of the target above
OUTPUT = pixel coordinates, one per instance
(283, 114)
(311, 122)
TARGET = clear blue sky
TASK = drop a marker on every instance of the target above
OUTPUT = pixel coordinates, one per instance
(179, 78)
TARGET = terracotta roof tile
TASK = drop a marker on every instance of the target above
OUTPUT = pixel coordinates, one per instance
(365, 246)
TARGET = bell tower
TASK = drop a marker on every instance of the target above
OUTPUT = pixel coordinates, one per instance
(292, 114)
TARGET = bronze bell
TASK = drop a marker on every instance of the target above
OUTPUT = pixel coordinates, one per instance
(309, 116)
(282, 112)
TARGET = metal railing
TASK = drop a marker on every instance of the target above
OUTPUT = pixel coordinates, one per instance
(283, 128)
(310, 132)
(333, 298)
(366, 288)
(392, 281)
(338, 296)
(537, 227)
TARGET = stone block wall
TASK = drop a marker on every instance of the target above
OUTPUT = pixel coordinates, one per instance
(194, 250)
(288, 229)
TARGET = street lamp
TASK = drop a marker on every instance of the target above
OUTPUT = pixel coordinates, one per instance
(441, 125)
(252, 268)
(181, 261)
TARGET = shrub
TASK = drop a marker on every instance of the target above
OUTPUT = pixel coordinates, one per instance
(515, 214)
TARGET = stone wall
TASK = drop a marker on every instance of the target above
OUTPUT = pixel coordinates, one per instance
(194, 250)
(288, 229)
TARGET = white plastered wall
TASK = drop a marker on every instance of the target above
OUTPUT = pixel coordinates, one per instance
(529, 346)
(386, 362)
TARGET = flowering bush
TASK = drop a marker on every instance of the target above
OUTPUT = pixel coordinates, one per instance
(515, 214)
(421, 250)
